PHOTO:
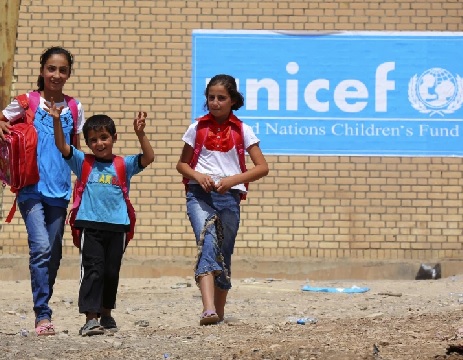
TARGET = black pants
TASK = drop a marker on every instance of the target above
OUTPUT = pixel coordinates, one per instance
(101, 259)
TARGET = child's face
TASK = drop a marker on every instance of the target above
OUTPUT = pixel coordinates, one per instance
(219, 102)
(101, 143)
(55, 72)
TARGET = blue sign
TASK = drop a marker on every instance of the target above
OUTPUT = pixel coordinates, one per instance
(359, 93)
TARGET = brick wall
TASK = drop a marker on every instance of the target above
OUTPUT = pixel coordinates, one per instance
(133, 55)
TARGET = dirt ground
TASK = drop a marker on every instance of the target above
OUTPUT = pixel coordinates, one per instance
(159, 319)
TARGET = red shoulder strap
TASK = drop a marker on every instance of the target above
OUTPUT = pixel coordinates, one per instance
(23, 101)
(34, 101)
(201, 135)
(119, 165)
(72, 104)
(12, 210)
(29, 104)
(238, 135)
(79, 187)
(87, 165)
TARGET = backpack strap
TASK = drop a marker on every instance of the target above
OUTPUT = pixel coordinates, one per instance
(12, 210)
(79, 187)
(239, 145)
(87, 165)
(23, 101)
(237, 135)
(34, 101)
(202, 130)
(72, 104)
(29, 104)
(119, 165)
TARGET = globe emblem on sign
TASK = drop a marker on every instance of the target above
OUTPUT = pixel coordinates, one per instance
(437, 88)
(436, 91)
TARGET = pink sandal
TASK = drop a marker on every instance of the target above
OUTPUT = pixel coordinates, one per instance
(209, 317)
(45, 329)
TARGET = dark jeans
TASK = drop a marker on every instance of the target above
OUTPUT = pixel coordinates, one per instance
(101, 260)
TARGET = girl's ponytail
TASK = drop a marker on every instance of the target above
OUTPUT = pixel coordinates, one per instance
(40, 83)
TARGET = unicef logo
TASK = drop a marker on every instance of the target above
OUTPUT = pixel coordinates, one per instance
(436, 91)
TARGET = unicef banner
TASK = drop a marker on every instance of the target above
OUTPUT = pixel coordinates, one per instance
(360, 93)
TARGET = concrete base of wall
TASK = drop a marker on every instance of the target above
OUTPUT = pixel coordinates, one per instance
(14, 267)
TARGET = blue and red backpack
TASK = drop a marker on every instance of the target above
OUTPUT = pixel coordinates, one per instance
(79, 188)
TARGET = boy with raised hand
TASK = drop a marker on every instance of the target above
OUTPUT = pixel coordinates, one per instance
(102, 214)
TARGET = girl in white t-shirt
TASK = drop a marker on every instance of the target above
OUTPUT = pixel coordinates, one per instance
(215, 183)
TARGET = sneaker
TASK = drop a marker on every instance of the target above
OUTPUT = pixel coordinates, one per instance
(92, 327)
(108, 323)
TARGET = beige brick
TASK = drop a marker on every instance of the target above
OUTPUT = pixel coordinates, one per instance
(379, 208)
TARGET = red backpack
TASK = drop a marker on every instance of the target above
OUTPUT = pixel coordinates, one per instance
(79, 188)
(18, 153)
(201, 135)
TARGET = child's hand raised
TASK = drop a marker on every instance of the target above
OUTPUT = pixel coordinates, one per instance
(147, 156)
(139, 123)
(55, 112)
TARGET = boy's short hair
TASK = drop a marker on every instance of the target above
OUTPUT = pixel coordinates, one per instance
(99, 122)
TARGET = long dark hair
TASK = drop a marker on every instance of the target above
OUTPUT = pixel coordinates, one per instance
(229, 83)
(46, 55)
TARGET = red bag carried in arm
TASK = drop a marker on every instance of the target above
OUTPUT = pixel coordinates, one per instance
(18, 153)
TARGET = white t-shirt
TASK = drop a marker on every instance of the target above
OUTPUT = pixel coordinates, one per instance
(15, 111)
(219, 164)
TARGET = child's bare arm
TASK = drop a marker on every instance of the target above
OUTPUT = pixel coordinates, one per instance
(139, 124)
(259, 170)
(60, 141)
